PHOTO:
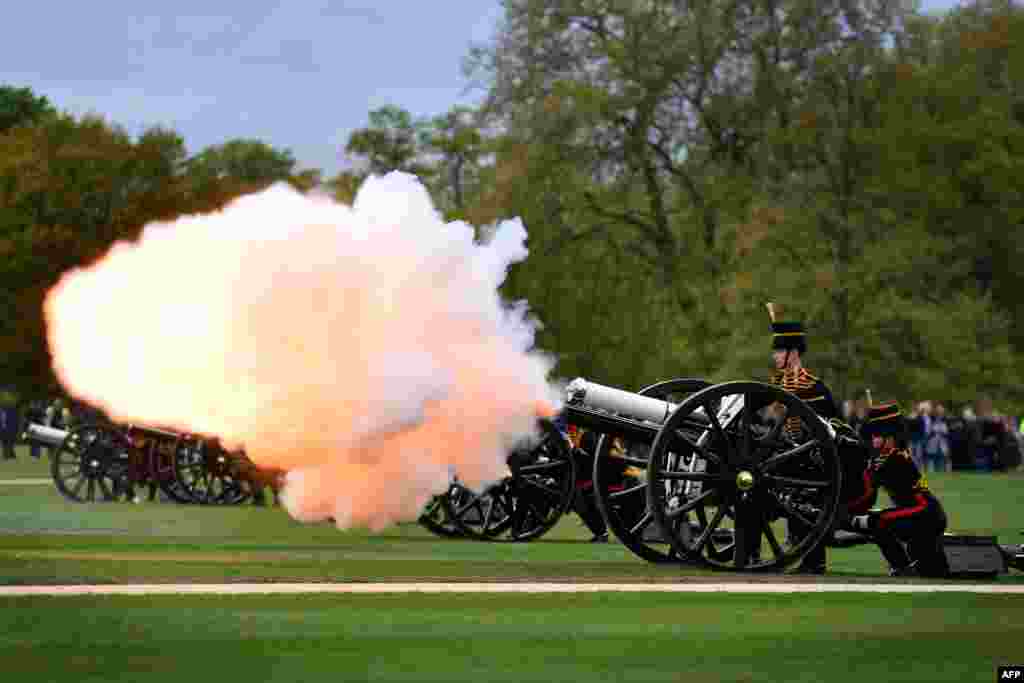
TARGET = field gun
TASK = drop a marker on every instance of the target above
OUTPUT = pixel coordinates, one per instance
(101, 461)
(690, 472)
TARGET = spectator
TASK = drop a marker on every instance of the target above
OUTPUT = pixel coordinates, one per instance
(936, 441)
(916, 424)
(35, 413)
(989, 433)
(960, 444)
(1009, 455)
(9, 422)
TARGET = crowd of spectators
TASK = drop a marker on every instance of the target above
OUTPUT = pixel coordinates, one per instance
(977, 438)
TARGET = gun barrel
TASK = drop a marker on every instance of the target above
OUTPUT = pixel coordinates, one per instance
(46, 436)
(624, 403)
(606, 423)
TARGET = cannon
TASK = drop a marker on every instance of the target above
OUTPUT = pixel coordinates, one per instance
(87, 464)
(690, 472)
(98, 462)
(434, 517)
(523, 505)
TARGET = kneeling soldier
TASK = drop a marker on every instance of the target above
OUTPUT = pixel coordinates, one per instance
(916, 518)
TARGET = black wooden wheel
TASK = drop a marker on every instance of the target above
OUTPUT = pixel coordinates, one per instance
(208, 474)
(163, 458)
(91, 465)
(434, 517)
(525, 504)
(171, 485)
(620, 482)
(756, 489)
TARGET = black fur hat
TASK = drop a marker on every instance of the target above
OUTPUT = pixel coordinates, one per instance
(885, 419)
(789, 335)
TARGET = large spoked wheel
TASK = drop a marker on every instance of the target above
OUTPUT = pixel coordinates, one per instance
(526, 504)
(620, 482)
(165, 470)
(208, 474)
(91, 465)
(755, 489)
(435, 518)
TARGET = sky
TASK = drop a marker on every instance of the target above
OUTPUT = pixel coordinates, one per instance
(299, 74)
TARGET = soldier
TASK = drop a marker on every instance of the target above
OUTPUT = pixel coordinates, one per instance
(916, 518)
(788, 343)
(584, 443)
(35, 413)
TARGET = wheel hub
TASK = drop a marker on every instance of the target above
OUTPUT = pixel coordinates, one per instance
(744, 480)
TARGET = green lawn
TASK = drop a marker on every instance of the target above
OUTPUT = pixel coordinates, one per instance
(592, 637)
(46, 539)
(452, 637)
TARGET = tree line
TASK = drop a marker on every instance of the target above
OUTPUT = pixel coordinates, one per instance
(677, 164)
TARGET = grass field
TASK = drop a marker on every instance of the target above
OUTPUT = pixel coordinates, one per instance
(46, 539)
(655, 637)
(599, 637)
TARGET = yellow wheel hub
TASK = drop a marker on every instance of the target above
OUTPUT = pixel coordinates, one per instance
(744, 480)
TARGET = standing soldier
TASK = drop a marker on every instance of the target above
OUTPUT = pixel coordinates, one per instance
(35, 413)
(789, 342)
(584, 450)
(916, 518)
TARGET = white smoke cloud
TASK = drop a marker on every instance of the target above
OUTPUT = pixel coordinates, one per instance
(365, 349)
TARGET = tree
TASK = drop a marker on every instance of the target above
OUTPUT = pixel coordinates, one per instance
(243, 160)
(679, 164)
(895, 191)
(458, 146)
(221, 173)
(21, 106)
(662, 110)
(343, 187)
(69, 188)
(390, 143)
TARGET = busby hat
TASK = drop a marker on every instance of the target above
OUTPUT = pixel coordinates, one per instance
(789, 335)
(884, 419)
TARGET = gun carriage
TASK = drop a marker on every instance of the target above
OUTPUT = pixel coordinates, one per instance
(98, 462)
(690, 472)
(684, 472)
(523, 505)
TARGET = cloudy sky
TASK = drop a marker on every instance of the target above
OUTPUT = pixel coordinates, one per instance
(300, 75)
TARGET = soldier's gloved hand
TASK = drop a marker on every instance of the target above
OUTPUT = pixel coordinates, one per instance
(865, 523)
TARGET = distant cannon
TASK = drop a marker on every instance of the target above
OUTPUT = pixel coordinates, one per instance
(106, 462)
(522, 506)
(44, 435)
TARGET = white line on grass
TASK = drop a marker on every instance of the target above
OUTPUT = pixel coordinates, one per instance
(25, 482)
(295, 588)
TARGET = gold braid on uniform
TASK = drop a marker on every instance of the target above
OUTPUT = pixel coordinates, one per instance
(801, 384)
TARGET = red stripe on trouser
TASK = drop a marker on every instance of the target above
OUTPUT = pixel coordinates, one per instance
(900, 513)
(584, 484)
(869, 497)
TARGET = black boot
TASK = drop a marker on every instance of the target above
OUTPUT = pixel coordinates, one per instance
(906, 570)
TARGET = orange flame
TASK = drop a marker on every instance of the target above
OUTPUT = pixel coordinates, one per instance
(364, 349)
